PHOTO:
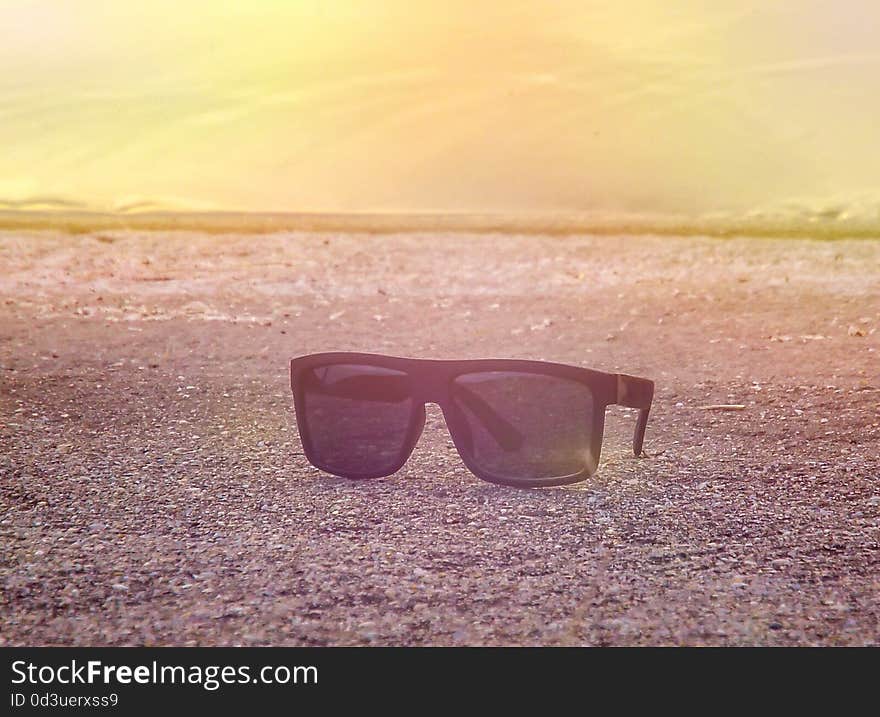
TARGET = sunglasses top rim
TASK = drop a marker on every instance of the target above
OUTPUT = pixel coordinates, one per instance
(455, 365)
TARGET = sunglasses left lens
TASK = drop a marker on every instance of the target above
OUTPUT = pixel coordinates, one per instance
(357, 418)
(546, 429)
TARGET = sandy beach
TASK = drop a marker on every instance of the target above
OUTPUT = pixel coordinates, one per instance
(153, 490)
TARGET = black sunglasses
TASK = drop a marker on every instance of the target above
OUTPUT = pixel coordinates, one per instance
(519, 423)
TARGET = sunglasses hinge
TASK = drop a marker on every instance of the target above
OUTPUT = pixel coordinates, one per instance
(621, 390)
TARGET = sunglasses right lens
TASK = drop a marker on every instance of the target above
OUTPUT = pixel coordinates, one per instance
(358, 418)
(525, 426)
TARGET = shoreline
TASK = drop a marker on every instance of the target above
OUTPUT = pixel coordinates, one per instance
(803, 225)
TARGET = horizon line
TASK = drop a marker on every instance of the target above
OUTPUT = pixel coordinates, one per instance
(80, 221)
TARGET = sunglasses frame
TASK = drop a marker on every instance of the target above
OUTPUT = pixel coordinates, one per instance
(432, 381)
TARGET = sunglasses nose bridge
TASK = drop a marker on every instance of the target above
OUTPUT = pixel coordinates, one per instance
(432, 389)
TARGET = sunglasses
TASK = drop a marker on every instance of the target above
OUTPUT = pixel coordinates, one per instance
(518, 423)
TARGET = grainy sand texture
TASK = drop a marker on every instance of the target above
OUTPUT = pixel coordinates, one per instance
(153, 489)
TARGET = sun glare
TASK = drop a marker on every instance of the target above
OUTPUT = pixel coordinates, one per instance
(501, 106)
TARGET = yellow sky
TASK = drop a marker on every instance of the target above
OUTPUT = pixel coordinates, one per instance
(354, 105)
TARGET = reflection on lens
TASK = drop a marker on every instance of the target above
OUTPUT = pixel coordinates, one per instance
(549, 423)
(357, 417)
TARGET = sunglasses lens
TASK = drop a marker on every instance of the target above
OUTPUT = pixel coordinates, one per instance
(357, 418)
(525, 426)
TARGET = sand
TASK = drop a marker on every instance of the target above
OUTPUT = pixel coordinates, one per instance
(153, 489)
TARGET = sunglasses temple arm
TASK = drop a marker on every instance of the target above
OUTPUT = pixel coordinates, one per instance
(505, 433)
(634, 392)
